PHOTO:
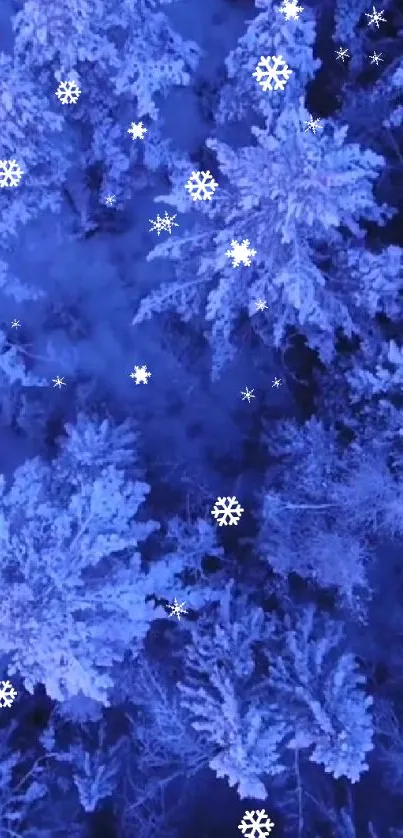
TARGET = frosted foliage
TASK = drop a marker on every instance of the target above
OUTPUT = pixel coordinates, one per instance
(74, 605)
(322, 697)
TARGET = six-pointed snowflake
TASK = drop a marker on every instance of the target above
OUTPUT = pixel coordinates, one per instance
(276, 382)
(68, 92)
(177, 609)
(261, 305)
(227, 511)
(137, 130)
(201, 186)
(376, 58)
(290, 9)
(342, 53)
(140, 374)
(58, 382)
(7, 694)
(240, 253)
(10, 173)
(161, 224)
(312, 125)
(272, 69)
(247, 394)
(110, 200)
(15, 324)
(256, 824)
(375, 17)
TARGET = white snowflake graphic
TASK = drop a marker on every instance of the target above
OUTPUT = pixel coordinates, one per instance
(10, 173)
(290, 9)
(137, 130)
(140, 374)
(256, 824)
(313, 125)
(376, 58)
(247, 394)
(375, 17)
(58, 382)
(276, 383)
(261, 305)
(110, 200)
(7, 694)
(227, 511)
(272, 69)
(240, 253)
(68, 92)
(15, 323)
(177, 609)
(165, 223)
(342, 53)
(201, 186)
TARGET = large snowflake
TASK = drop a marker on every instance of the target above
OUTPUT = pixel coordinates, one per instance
(227, 511)
(68, 92)
(240, 253)
(290, 9)
(256, 824)
(7, 694)
(375, 17)
(10, 173)
(140, 374)
(201, 186)
(137, 130)
(272, 69)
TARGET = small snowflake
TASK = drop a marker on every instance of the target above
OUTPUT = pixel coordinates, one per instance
(290, 9)
(342, 53)
(15, 324)
(313, 125)
(276, 382)
(240, 253)
(201, 186)
(110, 200)
(161, 224)
(256, 824)
(58, 382)
(247, 394)
(227, 508)
(267, 72)
(140, 374)
(375, 17)
(10, 173)
(7, 694)
(177, 609)
(376, 58)
(137, 130)
(68, 92)
(260, 305)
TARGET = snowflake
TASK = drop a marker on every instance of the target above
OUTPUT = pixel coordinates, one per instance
(290, 9)
(266, 73)
(177, 609)
(110, 200)
(68, 92)
(247, 394)
(15, 323)
(342, 53)
(375, 17)
(10, 173)
(137, 130)
(161, 224)
(230, 509)
(141, 375)
(276, 383)
(256, 824)
(201, 186)
(260, 305)
(58, 382)
(376, 58)
(313, 125)
(240, 253)
(7, 694)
